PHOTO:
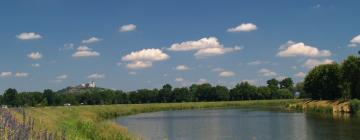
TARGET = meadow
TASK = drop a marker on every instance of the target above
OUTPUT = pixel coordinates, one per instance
(95, 122)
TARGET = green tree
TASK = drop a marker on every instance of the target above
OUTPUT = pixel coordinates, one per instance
(323, 82)
(10, 97)
(351, 75)
(181, 95)
(273, 84)
(165, 93)
(264, 92)
(49, 95)
(221, 93)
(287, 83)
(284, 94)
(243, 91)
(299, 87)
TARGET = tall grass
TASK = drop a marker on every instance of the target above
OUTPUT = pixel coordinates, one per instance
(94, 122)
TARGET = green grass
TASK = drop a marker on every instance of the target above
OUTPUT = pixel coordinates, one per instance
(94, 122)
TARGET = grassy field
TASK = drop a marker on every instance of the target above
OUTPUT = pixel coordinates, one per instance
(95, 122)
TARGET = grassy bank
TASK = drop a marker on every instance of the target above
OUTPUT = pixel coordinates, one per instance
(93, 122)
(326, 106)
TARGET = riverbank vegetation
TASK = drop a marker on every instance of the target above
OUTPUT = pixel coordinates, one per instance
(94, 122)
(275, 89)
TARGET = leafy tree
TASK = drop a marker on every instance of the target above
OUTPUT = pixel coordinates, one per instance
(264, 92)
(243, 91)
(351, 75)
(165, 93)
(273, 84)
(221, 93)
(10, 97)
(286, 83)
(299, 87)
(49, 95)
(181, 95)
(284, 94)
(323, 82)
(204, 92)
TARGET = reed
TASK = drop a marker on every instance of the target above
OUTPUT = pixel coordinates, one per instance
(95, 122)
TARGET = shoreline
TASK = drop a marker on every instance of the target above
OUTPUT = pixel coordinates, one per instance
(95, 122)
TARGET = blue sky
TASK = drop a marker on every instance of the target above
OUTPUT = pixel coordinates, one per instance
(144, 44)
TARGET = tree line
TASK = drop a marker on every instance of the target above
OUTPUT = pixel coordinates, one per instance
(275, 89)
(334, 81)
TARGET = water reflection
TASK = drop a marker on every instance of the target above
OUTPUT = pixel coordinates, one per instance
(243, 124)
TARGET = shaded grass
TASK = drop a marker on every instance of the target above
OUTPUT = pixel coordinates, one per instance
(94, 122)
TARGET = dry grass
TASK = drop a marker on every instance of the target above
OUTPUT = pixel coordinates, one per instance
(94, 122)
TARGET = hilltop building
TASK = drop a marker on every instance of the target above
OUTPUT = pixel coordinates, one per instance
(92, 84)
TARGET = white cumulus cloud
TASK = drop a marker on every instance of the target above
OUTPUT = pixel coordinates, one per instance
(84, 51)
(179, 79)
(5, 74)
(96, 76)
(21, 74)
(127, 28)
(244, 27)
(139, 64)
(91, 40)
(144, 58)
(226, 74)
(35, 55)
(36, 65)
(292, 49)
(205, 47)
(182, 68)
(29, 36)
(310, 63)
(300, 74)
(267, 72)
(355, 41)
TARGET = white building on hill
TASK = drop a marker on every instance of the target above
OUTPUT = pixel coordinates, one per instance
(92, 84)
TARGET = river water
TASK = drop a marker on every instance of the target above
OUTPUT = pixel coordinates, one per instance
(239, 124)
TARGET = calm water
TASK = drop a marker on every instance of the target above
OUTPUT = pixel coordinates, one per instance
(239, 124)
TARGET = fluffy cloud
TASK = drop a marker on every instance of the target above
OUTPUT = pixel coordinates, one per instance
(139, 64)
(208, 52)
(62, 77)
(310, 63)
(257, 62)
(67, 46)
(35, 55)
(179, 79)
(300, 75)
(182, 68)
(202, 81)
(84, 51)
(127, 28)
(96, 76)
(244, 27)
(5, 74)
(226, 74)
(146, 55)
(29, 36)
(210, 42)
(36, 65)
(144, 58)
(91, 40)
(355, 41)
(21, 74)
(267, 72)
(292, 49)
(205, 47)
